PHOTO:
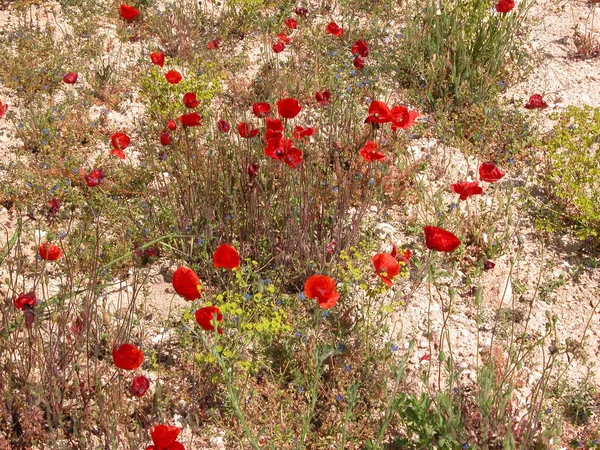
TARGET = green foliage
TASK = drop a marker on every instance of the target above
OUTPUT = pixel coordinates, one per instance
(579, 403)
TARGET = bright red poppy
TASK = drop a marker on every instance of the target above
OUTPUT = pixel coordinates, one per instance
(386, 267)
(288, 108)
(402, 117)
(334, 29)
(261, 109)
(293, 157)
(187, 284)
(226, 257)
(274, 124)
(322, 288)
(278, 47)
(323, 97)
(120, 140)
(174, 446)
(165, 138)
(173, 77)
(164, 435)
(3, 109)
(94, 178)
(404, 257)
(504, 6)
(139, 386)
(466, 188)
(301, 132)
(360, 48)
(216, 44)
(358, 62)
(118, 153)
(284, 38)
(536, 102)
(292, 24)
(127, 356)
(489, 172)
(70, 78)
(278, 147)
(245, 130)
(50, 252)
(25, 301)
(158, 58)
(439, 239)
(379, 112)
(190, 119)
(370, 152)
(205, 316)
(128, 12)
(223, 126)
(189, 100)
(172, 125)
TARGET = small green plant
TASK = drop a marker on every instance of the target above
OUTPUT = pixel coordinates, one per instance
(579, 403)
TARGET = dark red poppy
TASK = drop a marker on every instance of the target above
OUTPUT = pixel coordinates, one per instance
(245, 130)
(301, 132)
(158, 58)
(466, 188)
(127, 356)
(189, 100)
(292, 24)
(164, 435)
(386, 267)
(402, 117)
(261, 109)
(284, 38)
(322, 288)
(536, 102)
(70, 78)
(165, 138)
(252, 170)
(190, 119)
(128, 12)
(334, 29)
(139, 386)
(358, 62)
(370, 152)
(488, 265)
(489, 172)
(293, 157)
(205, 316)
(226, 257)
(288, 108)
(187, 284)
(323, 97)
(223, 126)
(25, 301)
(54, 205)
(50, 252)
(120, 140)
(439, 239)
(3, 109)
(172, 125)
(278, 47)
(302, 12)
(379, 112)
(360, 48)
(94, 178)
(216, 44)
(504, 6)
(173, 77)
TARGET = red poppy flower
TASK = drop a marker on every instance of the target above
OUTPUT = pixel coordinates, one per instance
(536, 102)
(488, 265)
(205, 316)
(227, 257)
(245, 130)
(404, 257)
(128, 12)
(54, 205)
(165, 137)
(278, 147)
(158, 58)
(172, 125)
(187, 284)
(467, 188)
(274, 124)
(293, 157)
(139, 386)
(261, 109)
(164, 435)
(379, 112)
(292, 24)
(189, 100)
(358, 62)
(440, 239)
(301, 132)
(3, 109)
(334, 29)
(174, 446)
(127, 356)
(402, 117)
(360, 48)
(504, 6)
(302, 12)
(252, 170)
(288, 108)
(25, 301)
(173, 77)
(322, 288)
(323, 97)
(190, 119)
(120, 140)
(386, 267)
(370, 153)
(94, 178)
(49, 252)
(223, 126)
(490, 173)
(118, 153)
(278, 47)
(70, 78)
(214, 44)
(284, 38)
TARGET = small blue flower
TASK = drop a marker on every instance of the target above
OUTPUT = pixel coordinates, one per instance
(466, 446)
(325, 314)
(339, 398)
(298, 334)
(341, 347)
(301, 296)
(279, 302)
(347, 368)
(394, 348)
(301, 389)
(247, 296)
(371, 181)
